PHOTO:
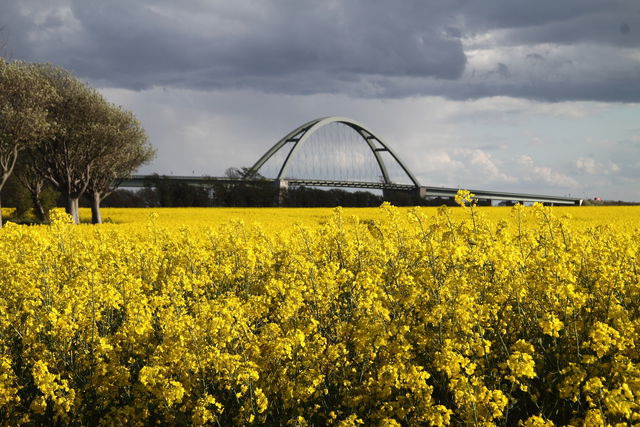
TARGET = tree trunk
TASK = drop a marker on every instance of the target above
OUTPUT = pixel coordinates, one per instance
(72, 208)
(3, 179)
(38, 208)
(34, 184)
(95, 208)
(76, 209)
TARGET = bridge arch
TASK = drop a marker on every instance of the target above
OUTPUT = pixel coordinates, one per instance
(292, 143)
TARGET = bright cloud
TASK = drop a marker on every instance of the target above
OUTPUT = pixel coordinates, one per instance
(534, 173)
(590, 166)
(483, 162)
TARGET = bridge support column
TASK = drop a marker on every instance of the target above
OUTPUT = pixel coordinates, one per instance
(281, 188)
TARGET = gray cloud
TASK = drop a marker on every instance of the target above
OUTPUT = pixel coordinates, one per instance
(456, 49)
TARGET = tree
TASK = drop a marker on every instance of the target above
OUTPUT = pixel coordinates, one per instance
(239, 173)
(125, 147)
(169, 193)
(24, 101)
(70, 156)
(17, 195)
(28, 175)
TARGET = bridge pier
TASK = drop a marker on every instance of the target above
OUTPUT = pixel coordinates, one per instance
(405, 197)
(281, 187)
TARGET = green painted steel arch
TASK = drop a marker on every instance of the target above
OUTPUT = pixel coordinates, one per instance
(301, 135)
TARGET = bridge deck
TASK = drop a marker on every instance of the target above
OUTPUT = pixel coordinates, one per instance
(497, 195)
(137, 181)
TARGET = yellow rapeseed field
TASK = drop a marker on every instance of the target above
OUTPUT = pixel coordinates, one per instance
(401, 316)
(282, 219)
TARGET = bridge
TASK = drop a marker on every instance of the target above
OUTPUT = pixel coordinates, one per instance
(340, 152)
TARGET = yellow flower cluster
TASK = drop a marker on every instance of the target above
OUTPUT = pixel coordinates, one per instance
(402, 318)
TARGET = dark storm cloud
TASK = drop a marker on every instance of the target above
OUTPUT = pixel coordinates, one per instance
(561, 22)
(458, 49)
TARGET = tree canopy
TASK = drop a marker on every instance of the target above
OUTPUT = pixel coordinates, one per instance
(25, 100)
(125, 146)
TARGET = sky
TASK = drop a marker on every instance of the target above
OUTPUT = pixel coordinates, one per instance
(503, 95)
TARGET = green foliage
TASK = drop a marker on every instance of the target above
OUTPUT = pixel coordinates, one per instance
(17, 196)
(66, 133)
(94, 142)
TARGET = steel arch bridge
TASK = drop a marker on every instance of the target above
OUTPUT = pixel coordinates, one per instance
(291, 145)
(358, 145)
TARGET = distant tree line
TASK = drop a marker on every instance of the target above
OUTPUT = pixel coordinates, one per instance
(593, 202)
(61, 140)
(163, 192)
